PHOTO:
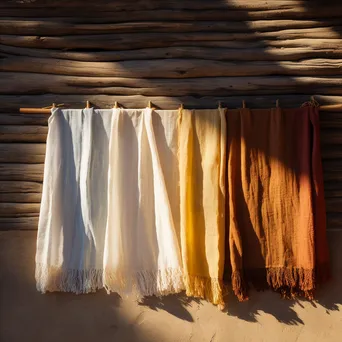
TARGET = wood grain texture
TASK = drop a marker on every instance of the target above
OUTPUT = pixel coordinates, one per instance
(173, 68)
(21, 119)
(241, 52)
(58, 28)
(22, 153)
(19, 209)
(288, 38)
(24, 133)
(218, 86)
(19, 223)
(18, 197)
(20, 187)
(169, 52)
(21, 172)
(139, 5)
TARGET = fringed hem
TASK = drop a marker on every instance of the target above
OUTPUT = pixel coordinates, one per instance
(210, 289)
(289, 282)
(55, 278)
(239, 286)
(144, 283)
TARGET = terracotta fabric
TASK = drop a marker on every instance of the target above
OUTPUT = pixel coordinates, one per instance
(276, 211)
(202, 160)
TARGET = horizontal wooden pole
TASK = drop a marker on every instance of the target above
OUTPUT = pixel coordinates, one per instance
(332, 193)
(223, 11)
(317, 37)
(334, 205)
(42, 137)
(23, 119)
(156, 5)
(329, 153)
(331, 137)
(19, 209)
(332, 176)
(332, 108)
(22, 153)
(62, 28)
(330, 119)
(172, 68)
(29, 197)
(19, 223)
(239, 53)
(10, 104)
(35, 110)
(21, 172)
(16, 133)
(22, 187)
(219, 86)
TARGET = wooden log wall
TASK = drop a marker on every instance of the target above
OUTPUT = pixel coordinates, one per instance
(169, 52)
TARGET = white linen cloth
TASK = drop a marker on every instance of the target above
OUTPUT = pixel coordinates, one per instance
(73, 214)
(142, 254)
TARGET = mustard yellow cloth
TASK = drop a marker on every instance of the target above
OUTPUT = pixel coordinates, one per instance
(202, 160)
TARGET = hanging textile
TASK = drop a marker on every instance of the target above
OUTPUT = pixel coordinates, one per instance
(142, 255)
(72, 222)
(275, 206)
(202, 152)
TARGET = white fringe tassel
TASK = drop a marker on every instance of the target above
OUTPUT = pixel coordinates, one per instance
(54, 278)
(144, 283)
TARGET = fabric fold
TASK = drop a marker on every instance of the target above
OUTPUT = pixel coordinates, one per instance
(202, 153)
(142, 255)
(72, 222)
(276, 227)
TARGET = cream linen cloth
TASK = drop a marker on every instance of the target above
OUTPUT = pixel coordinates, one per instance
(142, 255)
(202, 160)
(72, 222)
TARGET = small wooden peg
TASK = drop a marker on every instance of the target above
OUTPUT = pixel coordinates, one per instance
(243, 104)
(87, 104)
(277, 103)
(116, 104)
(149, 104)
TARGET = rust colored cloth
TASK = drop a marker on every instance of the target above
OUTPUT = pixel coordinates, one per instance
(275, 202)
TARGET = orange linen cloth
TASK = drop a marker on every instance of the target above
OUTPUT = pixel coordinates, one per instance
(276, 225)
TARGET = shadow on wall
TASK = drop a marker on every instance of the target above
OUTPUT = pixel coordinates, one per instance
(283, 310)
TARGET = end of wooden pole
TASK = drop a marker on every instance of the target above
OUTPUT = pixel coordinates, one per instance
(243, 104)
(87, 104)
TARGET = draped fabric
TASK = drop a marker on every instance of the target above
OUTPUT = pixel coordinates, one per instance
(142, 255)
(202, 152)
(276, 212)
(72, 222)
(151, 202)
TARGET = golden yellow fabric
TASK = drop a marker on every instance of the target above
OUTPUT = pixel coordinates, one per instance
(202, 159)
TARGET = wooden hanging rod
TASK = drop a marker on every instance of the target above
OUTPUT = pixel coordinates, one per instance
(331, 108)
(324, 108)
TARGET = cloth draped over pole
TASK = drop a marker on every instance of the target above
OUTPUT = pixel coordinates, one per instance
(152, 202)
